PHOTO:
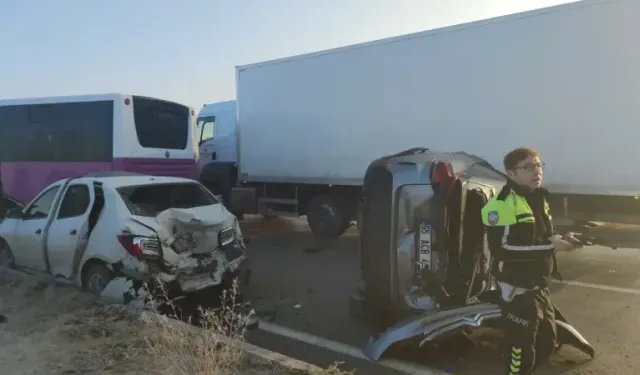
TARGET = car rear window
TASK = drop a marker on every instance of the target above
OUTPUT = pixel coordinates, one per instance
(150, 200)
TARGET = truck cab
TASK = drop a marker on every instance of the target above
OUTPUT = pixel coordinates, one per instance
(216, 132)
(216, 135)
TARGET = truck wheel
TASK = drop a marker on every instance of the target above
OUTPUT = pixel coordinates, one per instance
(327, 216)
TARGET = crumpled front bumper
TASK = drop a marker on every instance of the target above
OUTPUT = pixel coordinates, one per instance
(207, 270)
(431, 324)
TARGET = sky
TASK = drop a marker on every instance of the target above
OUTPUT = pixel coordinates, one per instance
(187, 51)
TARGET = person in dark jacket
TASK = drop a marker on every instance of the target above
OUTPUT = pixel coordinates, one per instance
(521, 238)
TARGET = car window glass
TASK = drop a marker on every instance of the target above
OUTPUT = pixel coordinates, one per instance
(39, 209)
(75, 202)
(150, 200)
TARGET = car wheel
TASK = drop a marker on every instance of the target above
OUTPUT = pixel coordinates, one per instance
(96, 279)
(327, 217)
(6, 256)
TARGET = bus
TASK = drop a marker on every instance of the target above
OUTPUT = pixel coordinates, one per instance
(43, 140)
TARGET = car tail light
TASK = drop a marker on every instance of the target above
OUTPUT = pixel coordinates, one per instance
(133, 244)
(441, 172)
(441, 176)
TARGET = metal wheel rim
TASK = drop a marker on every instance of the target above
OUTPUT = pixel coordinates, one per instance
(97, 283)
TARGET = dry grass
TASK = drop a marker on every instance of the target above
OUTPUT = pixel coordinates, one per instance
(215, 348)
(56, 330)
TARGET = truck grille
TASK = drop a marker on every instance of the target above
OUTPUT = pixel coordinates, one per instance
(226, 236)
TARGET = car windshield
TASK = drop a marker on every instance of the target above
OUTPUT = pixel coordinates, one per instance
(150, 200)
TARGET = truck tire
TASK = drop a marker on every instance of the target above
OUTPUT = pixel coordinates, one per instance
(327, 216)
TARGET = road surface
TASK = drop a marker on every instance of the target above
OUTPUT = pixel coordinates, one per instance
(301, 286)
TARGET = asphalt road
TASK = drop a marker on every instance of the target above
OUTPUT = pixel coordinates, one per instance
(301, 286)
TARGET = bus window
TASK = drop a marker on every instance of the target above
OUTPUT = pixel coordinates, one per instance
(60, 132)
(161, 124)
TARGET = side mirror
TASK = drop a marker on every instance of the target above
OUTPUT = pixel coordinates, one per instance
(14, 213)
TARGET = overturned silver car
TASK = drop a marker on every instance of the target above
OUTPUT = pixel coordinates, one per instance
(426, 270)
(108, 226)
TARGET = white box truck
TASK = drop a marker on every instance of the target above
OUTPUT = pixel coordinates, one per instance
(564, 80)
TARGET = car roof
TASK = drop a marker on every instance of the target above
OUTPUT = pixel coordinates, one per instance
(460, 159)
(121, 180)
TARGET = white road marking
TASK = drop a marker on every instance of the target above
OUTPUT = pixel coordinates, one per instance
(338, 347)
(608, 288)
(398, 365)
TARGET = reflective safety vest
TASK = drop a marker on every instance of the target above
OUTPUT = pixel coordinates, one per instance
(519, 237)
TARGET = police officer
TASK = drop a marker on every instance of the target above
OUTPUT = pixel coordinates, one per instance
(522, 241)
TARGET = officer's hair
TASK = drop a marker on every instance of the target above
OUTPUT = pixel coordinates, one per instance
(513, 158)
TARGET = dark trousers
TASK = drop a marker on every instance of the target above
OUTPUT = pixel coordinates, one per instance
(530, 331)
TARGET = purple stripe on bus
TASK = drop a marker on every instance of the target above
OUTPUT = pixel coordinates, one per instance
(24, 180)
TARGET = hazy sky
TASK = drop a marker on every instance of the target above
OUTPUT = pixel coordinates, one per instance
(187, 50)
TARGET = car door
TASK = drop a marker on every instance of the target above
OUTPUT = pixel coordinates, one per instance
(68, 236)
(27, 242)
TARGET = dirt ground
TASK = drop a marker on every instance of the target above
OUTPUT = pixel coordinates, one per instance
(51, 329)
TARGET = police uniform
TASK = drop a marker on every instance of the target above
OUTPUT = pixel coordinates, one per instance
(519, 228)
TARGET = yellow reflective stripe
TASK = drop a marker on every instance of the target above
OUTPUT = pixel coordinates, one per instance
(515, 350)
(516, 363)
(506, 246)
(516, 360)
(547, 209)
(527, 220)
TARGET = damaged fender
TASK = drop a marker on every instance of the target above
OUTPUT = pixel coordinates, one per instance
(431, 324)
(568, 335)
(198, 246)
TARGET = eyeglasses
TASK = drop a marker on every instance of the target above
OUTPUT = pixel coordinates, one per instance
(531, 167)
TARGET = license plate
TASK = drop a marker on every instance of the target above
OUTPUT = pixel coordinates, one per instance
(424, 245)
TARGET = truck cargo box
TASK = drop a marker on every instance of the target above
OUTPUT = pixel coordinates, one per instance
(563, 80)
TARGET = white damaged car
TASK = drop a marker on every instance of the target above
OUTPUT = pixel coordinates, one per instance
(94, 229)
